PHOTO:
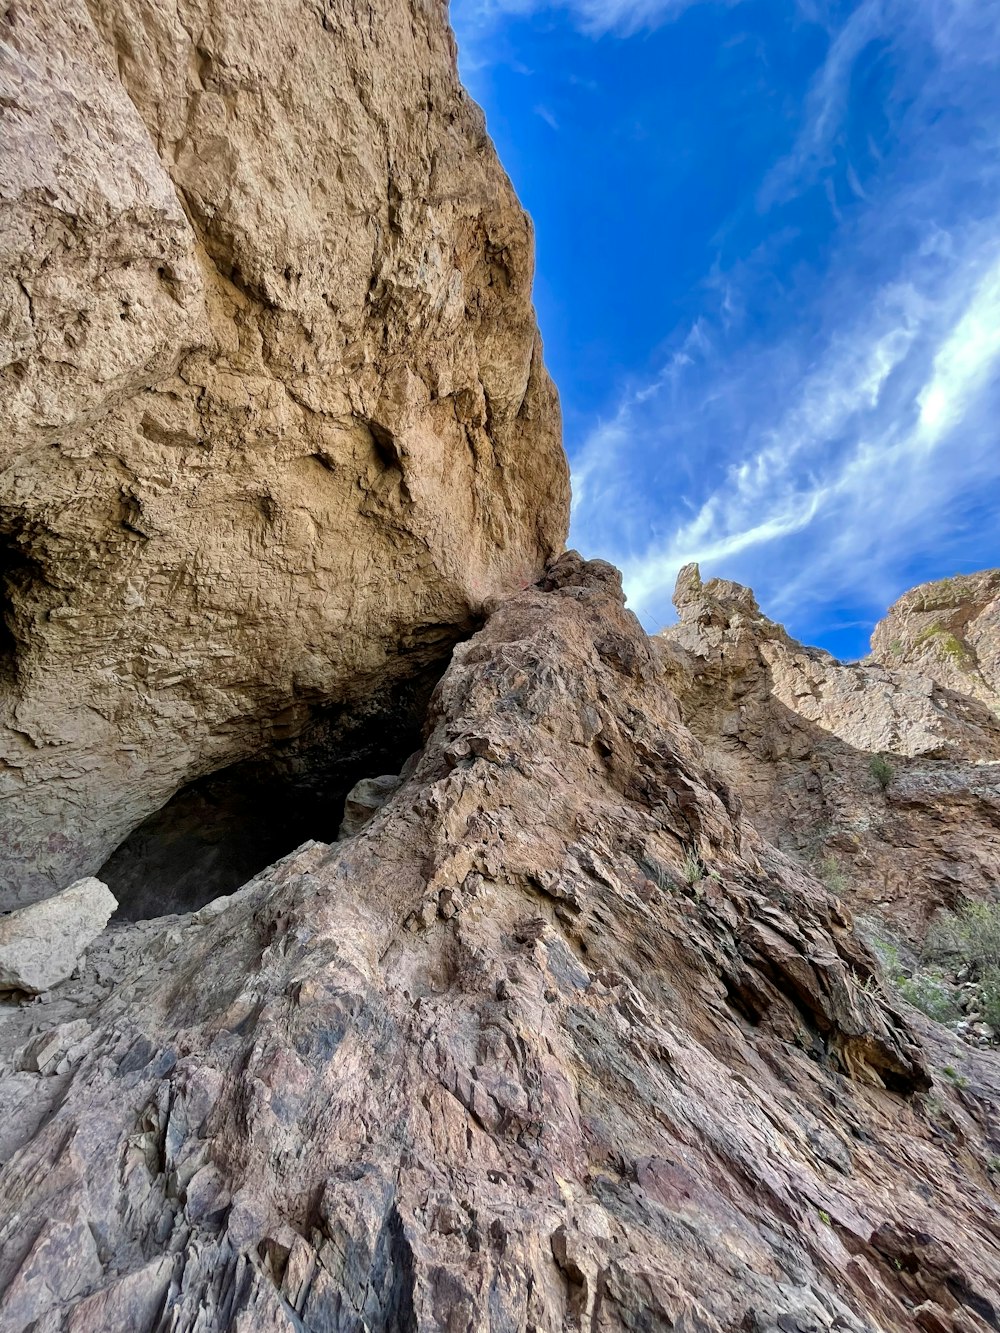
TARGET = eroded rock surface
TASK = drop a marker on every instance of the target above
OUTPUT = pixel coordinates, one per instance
(556, 1041)
(274, 424)
(796, 732)
(950, 630)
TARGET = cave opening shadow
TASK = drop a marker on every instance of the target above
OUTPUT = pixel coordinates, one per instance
(223, 829)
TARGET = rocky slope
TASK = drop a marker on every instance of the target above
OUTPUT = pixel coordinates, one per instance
(796, 733)
(274, 424)
(555, 1041)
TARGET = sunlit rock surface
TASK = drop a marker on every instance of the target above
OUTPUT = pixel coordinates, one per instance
(884, 775)
(274, 424)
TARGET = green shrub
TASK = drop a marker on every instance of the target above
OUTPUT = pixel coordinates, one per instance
(929, 633)
(969, 935)
(694, 871)
(882, 771)
(989, 989)
(928, 990)
(969, 938)
(946, 642)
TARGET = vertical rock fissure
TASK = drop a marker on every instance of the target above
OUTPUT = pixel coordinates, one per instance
(17, 572)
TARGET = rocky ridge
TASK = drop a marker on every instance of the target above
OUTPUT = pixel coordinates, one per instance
(556, 1040)
(795, 733)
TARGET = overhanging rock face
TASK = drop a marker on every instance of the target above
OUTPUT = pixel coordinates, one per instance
(556, 1041)
(274, 424)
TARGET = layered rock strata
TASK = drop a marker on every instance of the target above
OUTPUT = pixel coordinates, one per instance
(556, 1041)
(886, 779)
(274, 424)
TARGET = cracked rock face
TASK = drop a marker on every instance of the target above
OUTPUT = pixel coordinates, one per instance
(274, 424)
(950, 630)
(556, 1041)
(795, 732)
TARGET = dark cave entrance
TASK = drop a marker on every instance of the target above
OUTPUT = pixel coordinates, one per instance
(222, 829)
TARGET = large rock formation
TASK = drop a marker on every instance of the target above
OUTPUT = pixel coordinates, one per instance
(555, 1042)
(274, 425)
(885, 777)
(551, 1038)
(950, 630)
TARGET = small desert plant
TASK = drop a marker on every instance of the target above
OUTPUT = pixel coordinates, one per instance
(945, 642)
(969, 935)
(692, 868)
(953, 648)
(989, 994)
(884, 945)
(928, 990)
(881, 770)
(935, 1108)
(953, 1076)
(969, 939)
(829, 873)
(658, 875)
(871, 986)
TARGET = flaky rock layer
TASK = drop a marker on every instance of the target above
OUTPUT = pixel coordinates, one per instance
(556, 1041)
(274, 424)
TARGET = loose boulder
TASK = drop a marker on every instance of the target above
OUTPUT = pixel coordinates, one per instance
(364, 801)
(41, 945)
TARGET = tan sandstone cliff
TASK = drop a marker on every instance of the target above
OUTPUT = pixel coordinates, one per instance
(274, 424)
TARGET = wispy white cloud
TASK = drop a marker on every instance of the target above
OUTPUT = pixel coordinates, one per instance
(596, 17)
(548, 116)
(963, 364)
(858, 437)
(884, 441)
(824, 110)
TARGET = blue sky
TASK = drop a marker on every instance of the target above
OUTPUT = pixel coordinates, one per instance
(769, 284)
